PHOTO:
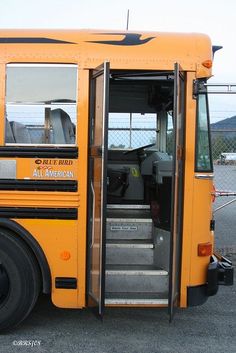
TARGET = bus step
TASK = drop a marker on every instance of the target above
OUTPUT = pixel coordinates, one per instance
(136, 278)
(146, 298)
(129, 228)
(127, 207)
(128, 213)
(129, 252)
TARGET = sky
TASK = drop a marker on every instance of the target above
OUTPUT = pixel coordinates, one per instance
(213, 17)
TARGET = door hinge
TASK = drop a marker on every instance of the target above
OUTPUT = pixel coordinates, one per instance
(199, 86)
(212, 225)
(96, 151)
(179, 153)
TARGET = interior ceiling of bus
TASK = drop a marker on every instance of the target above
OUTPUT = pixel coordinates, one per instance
(130, 94)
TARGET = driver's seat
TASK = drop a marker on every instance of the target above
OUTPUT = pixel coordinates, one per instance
(125, 183)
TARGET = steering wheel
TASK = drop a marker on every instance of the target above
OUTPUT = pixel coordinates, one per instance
(137, 150)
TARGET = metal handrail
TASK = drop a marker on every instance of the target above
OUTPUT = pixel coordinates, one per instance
(228, 88)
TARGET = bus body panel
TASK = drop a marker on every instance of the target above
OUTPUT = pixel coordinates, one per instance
(188, 187)
(201, 233)
(123, 50)
(65, 251)
(197, 207)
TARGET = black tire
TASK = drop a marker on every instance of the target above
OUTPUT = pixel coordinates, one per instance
(20, 276)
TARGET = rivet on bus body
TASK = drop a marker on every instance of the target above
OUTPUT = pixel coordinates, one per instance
(204, 249)
(65, 255)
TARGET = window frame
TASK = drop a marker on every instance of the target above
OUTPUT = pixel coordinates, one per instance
(130, 129)
(197, 169)
(46, 106)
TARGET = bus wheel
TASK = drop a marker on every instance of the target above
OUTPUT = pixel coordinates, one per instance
(19, 280)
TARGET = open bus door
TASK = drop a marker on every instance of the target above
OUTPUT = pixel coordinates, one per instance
(177, 191)
(97, 186)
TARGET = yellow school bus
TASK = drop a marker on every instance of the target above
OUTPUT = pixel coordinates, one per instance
(105, 171)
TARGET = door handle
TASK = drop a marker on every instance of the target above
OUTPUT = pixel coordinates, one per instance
(204, 176)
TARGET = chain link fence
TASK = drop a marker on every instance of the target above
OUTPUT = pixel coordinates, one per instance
(125, 138)
(224, 157)
(223, 136)
(131, 130)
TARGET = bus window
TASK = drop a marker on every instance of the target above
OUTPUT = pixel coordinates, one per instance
(203, 148)
(40, 104)
(131, 130)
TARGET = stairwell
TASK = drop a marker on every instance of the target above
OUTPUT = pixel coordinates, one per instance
(133, 274)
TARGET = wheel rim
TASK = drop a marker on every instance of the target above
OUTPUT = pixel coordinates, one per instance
(4, 284)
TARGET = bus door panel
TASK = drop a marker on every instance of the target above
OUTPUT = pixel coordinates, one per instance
(99, 95)
(177, 191)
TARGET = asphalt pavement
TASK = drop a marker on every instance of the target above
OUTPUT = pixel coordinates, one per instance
(204, 329)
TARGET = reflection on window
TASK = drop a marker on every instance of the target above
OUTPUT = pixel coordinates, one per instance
(41, 104)
(131, 130)
(203, 151)
(169, 134)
